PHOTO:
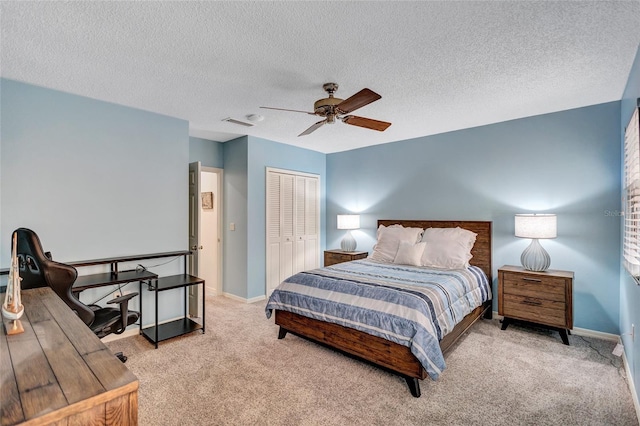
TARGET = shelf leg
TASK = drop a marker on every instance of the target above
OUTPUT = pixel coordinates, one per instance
(156, 330)
(203, 305)
(140, 299)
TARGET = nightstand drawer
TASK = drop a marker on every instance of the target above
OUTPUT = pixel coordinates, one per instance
(551, 288)
(534, 309)
(331, 257)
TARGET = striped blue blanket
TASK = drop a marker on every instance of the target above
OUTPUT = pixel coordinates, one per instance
(412, 306)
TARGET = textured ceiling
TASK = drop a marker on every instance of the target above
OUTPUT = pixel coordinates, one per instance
(439, 66)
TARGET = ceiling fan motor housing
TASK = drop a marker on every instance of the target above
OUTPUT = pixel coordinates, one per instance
(326, 106)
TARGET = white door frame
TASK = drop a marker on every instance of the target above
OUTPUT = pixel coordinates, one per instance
(217, 204)
(195, 204)
(194, 292)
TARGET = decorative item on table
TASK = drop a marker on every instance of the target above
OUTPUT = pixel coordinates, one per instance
(535, 226)
(348, 222)
(12, 308)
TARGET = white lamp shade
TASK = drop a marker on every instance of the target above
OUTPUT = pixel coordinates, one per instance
(348, 221)
(536, 225)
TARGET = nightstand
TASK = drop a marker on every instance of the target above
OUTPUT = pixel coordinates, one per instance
(331, 257)
(544, 298)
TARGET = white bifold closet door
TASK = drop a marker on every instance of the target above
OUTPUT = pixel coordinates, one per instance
(293, 222)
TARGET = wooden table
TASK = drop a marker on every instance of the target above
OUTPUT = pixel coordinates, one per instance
(59, 371)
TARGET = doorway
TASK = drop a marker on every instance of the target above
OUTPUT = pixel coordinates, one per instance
(205, 232)
(210, 256)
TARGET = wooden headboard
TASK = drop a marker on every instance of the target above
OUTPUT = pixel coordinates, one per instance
(481, 249)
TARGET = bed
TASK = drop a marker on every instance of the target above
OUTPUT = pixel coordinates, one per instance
(386, 348)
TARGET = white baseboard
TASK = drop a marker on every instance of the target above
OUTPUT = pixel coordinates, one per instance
(597, 334)
(256, 299)
(242, 299)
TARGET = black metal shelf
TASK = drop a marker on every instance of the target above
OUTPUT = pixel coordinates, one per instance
(175, 281)
(171, 329)
(160, 332)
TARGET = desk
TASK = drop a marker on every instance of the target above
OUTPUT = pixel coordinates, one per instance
(59, 371)
(157, 332)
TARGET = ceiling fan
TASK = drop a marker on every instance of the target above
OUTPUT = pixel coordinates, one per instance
(332, 108)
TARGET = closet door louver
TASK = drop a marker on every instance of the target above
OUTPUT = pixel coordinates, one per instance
(292, 225)
(273, 230)
(287, 250)
(311, 219)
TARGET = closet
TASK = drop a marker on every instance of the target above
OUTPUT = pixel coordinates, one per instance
(293, 224)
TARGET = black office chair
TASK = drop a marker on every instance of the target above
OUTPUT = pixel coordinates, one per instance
(38, 269)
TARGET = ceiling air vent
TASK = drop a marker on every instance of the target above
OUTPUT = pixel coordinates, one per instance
(241, 123)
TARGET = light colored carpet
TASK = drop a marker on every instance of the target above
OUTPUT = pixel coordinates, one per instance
(239, 373)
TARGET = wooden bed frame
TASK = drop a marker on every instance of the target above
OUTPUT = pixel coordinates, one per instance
(384, 353)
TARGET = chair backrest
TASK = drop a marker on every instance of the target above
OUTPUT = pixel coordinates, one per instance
(37, 269)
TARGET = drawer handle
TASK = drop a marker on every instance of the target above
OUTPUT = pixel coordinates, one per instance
(532, 302)
(533, 280)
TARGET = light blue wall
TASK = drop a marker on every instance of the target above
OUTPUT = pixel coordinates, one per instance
(262, 154)
(208, 153)
(566, 163)
(629, 291)
(93, 179)
(235, 211)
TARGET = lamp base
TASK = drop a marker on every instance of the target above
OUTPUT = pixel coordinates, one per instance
(535, 257)
(348, 243)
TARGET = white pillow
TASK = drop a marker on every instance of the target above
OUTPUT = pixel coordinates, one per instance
(389, 239)
(447, 248)
(409, 254)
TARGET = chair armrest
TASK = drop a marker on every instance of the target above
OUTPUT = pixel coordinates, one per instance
(123, 298)
(123, 301)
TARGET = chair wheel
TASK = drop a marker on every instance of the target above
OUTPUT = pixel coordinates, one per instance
(121, 357)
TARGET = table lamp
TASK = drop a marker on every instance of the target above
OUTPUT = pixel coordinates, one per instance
(348, 222)
(535, 226)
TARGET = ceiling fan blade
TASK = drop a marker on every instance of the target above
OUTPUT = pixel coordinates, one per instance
(312, 128)
(360, 99)
(292, 110)
(368, 123)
